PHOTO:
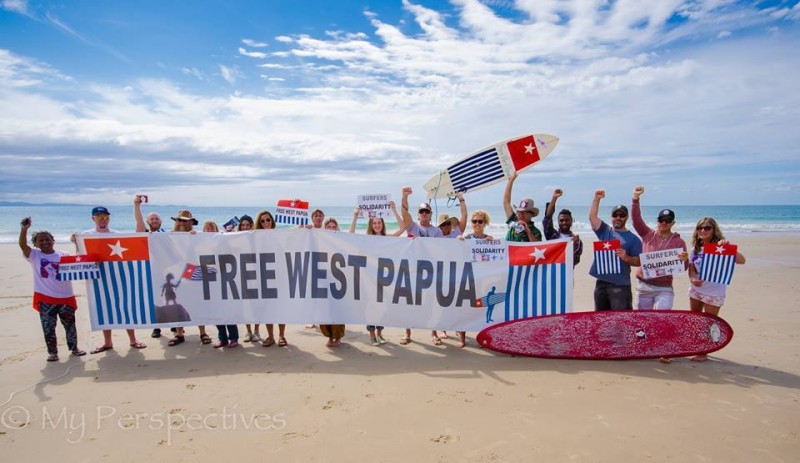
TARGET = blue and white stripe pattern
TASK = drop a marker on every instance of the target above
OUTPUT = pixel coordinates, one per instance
(476, 170)
(608, 262)
(124, 294)
(73, 271)
(535, 290)
(717, 268)
(291, 220)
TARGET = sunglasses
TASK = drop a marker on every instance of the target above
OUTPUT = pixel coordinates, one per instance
(664, 221)
(705, 228)
(619, 216)
(102, 217)
(184, 220)
(477, 221)
(266, 219)
(424, 211)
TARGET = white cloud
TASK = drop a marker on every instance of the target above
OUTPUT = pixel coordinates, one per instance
(229, 73)
(633, 97)
(254, 44)
(17, 6)
(252, 54)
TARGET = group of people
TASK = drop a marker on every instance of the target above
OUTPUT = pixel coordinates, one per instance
(54, 299)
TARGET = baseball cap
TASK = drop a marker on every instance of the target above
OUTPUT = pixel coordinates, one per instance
(100, 210)
(666, 213)
(425, 206)
(620, 207)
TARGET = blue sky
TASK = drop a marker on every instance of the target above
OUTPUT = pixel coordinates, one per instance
(243, 103)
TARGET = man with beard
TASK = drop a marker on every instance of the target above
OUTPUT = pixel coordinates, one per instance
(564, 226)
(613, 291)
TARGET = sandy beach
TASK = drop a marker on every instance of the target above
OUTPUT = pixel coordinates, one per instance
(419, 402)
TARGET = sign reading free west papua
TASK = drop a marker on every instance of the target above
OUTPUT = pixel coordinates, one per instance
(315, 276)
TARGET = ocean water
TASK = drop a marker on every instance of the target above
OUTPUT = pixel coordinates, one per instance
(63, 220)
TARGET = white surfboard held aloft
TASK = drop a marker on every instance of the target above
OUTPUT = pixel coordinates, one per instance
(490, 165)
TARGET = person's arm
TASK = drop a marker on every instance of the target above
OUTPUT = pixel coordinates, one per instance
(462, 203)
(404, 207)
(594, 219)
(355, 219)
(633, 261)
(137, 214)
(398, 218)
(25, 225)
(636, 213)
(551, 206)
(507, 207)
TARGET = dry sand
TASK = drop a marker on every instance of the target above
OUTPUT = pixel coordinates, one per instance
(408, 403)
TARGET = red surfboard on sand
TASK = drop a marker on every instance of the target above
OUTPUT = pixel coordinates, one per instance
(617, 335)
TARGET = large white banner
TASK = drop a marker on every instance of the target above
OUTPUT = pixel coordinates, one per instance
(314, 276)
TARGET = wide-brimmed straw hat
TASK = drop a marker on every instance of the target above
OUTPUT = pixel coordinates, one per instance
(184, 215)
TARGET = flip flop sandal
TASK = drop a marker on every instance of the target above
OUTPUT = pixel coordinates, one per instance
(98, 350)
(268, 342)
(139, 345)
(282, 342)
(205, 339)
(52, 358)
(175, 341)
(405, 340)
(78, 353)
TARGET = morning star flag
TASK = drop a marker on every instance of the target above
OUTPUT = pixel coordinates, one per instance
(538, 280)
(72, 268)
(523, 152)
(195, 272)
(123, 292)
(605, 254)
(480, 168)
(292, 212)
(718, 263)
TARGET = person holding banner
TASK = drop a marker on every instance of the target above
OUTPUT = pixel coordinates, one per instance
(266, 221)
(227, 335)
(656, 293)
(377, 227)
(102, 221)
(612, 291)
(424, 228)
(480, 220)
(184, 223)
(153, 226)
(246, 224)
(334, 333)
(52, 298)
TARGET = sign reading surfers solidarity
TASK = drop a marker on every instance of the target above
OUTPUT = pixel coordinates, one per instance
(315, 276)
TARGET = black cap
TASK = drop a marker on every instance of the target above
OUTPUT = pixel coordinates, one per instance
(667, 213)
(100, 210)
(620, 207)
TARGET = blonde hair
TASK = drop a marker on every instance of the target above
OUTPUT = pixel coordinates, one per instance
(210, 224)
(482, 214)
(716, 233)
(331, 220)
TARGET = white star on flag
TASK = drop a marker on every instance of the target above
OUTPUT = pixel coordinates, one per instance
(529, 148)
(77, 258)
(607, 245)
(117, 249)
(538, 253)
(720, 249)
